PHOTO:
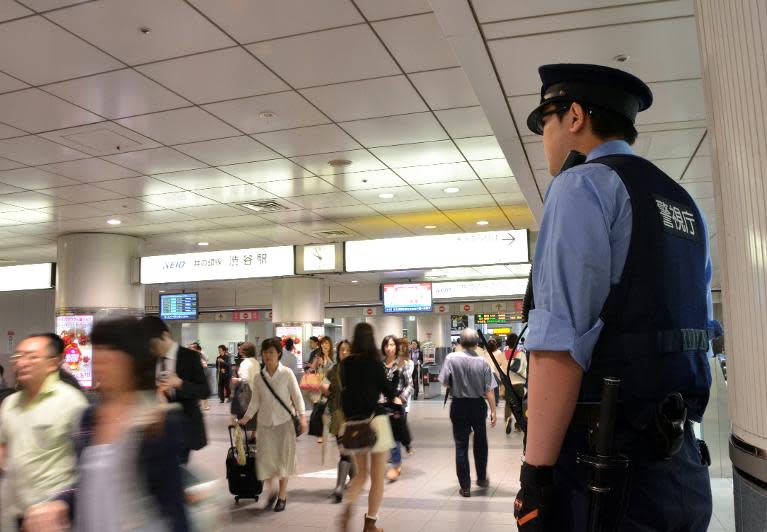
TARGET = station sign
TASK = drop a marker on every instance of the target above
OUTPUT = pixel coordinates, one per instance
(479, 289)
(218, 265)
(438, 251)
(27, 277)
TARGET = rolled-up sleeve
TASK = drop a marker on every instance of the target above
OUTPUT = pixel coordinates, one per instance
(586, 223)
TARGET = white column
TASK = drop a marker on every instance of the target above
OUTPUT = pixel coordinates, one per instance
(733, 43)
(298, 300)
(386, 325)
(434, 328)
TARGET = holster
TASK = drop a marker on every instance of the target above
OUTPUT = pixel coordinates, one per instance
(666, 427)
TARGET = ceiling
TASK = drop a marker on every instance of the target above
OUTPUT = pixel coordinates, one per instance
(168, 114)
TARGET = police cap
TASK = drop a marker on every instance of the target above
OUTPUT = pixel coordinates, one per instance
(597, 85)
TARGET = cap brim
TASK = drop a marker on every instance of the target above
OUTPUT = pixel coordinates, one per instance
(533, 119)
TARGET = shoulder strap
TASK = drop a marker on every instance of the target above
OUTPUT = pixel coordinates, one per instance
(274, 394)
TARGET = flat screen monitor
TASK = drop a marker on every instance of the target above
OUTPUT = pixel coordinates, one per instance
(410, 297)
(179, 306)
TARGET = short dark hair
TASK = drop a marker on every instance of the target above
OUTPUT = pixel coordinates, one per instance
(222, 346)
(248, 349)
(127, 335)
(275, 342)
(511, 339)
(492, 345)
(314, 339)
(289, 344)
(416, 342)
(606, 124)
(153, 327)
(55, 343)
(363, 342)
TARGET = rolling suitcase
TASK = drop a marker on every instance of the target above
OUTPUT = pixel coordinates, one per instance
(243, 482)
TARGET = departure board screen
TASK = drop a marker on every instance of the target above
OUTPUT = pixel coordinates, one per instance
(178, 306)
(412, 297)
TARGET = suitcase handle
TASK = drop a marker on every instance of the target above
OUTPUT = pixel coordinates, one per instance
(231, 438)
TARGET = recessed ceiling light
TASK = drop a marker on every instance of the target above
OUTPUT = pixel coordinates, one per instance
(386, 195)
(202, 244)
(114, 221)
(451, 190)
(622, 58)
(339, 163)
(482, 222)
(355, 282)
(145, 30)
(266, 115)
(429, 226)
(161, 291)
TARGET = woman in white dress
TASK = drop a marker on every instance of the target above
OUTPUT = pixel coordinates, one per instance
(276, 399)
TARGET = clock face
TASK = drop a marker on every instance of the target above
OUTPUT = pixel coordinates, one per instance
(320, 258)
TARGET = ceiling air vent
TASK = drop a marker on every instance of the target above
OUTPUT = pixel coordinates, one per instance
(333, 234)
(264, 206)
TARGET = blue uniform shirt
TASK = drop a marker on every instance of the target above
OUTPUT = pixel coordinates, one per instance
(581, 252)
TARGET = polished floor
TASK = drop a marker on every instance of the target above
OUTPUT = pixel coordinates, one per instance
(425, 499)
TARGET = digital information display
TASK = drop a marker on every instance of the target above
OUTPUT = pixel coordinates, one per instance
(411, 297)
(178, 306)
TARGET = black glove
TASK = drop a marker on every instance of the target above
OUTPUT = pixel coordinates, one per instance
(535, 507)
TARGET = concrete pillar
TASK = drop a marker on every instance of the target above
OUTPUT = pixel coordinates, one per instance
(298, 300)
(733, 51)
(435, 328)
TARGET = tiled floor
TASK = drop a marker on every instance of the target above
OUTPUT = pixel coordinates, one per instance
(425, 499)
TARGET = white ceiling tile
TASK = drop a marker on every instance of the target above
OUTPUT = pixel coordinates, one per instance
(402, 129)
(50, 228)
(465, 122)
(465, 202)
(156, 161)
(437, 173)
(81, 193)
(366, 99)
(7, 132)
(705, 147)
(377, 10)
(492, 168)
(210, 211)
(9, 208)
(197, 179)
(37, 51)
(6, 164)
(118, 94)
(215, 76)
(348, 211)
(235, 194)
(8, 83)
(33, 150)
(179, 126)
(153, 217)
(672, 167)
(112, 25)
(227, 151)
(66, 212)
(102, 138)
(260, 20)
(88, 170)
(36, 111)
(536, 155)
(10, 10)
(697, 189)
(297, 215)
(510, 198)
(289, 110)
(399, 207)
(362, 161)
(260, 172)
(700, 169)
(543, 179)
(45, 5)
(308, 140)
(139, 186)
(670, 144)
(492, 10)
(176, 200)
(318, 201)
(365, 180)
(124, 206)
(34, 179)
(445, 89)
(8, 189)
(502, 185)
(675, 101)
(437, 190)
(672, 52)
(242, 220)
(417, 43)
(27, 217)
(298, 187)
(425, 153)
(324, 57)
(32, 200)
(376, 227)
(281, 234)
(480, 148)
(373, 196)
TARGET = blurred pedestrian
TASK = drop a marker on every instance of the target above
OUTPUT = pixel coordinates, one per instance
(3, 382)
(363, 380)
(36, 426)
(276, 399)
(416, 355)
(223, 373)
(322, 362)
(129, 477)
(289, 359)
(195, 346)
(400, 374)
(332, 389)
(242, 402)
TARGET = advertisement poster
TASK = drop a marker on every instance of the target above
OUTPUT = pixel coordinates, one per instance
(78, 353)
(283, 332)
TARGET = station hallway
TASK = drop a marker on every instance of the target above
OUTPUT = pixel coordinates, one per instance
(424, 499)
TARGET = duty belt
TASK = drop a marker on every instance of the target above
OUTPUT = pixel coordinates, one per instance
(653, 343)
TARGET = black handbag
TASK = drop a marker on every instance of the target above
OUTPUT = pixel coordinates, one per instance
(358, 436)
(296, 421)
(240, 399)
(316, 425)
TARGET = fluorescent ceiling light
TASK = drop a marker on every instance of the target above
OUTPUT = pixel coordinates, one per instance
(451, 190)
(386, 195)
(202, 244)
(114, 221)
(429, 226)
(482, 222)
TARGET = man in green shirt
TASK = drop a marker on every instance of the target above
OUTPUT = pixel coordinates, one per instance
(36, 426)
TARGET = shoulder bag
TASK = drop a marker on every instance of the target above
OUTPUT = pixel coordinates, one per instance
(296, 421)
(357, 436)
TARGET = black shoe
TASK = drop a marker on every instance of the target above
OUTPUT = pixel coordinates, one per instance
(508, 426)
(484, 483)
(280, 506)
(465, 492)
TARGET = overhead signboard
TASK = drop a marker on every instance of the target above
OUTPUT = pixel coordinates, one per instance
(319, 258)
(479, 289)
(179, 306)
(27, 277)
(218, 265)
(409, 297)
(437, 251)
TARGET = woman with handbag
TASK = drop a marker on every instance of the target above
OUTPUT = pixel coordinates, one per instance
(366, 432)
(399, 371)
(275, 388)
(242, 399)
(331, 387)
(319, 367)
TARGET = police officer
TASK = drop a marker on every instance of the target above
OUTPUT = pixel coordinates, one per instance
(621, 284)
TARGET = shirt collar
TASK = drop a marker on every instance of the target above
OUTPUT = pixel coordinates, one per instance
(172, 353)
(611, 147)
(47, 387)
